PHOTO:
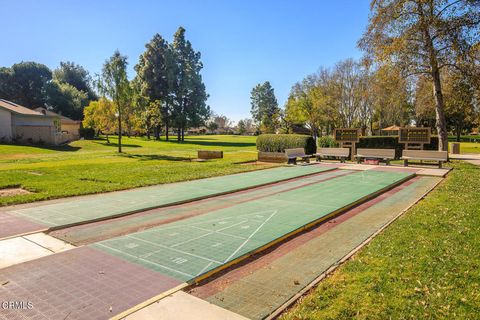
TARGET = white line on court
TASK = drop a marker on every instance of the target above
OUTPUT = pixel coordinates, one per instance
(147, 261)
(245, 242)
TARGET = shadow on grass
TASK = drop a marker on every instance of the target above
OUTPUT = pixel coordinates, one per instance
(150, 157)
(115, 144)
(214, 143)
(65, 147)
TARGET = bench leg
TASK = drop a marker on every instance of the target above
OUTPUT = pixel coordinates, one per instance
(440, 164)
(387, 162)
(307, 159)
(342, 160)
(318, 158)
(359, 160)
(405, 163)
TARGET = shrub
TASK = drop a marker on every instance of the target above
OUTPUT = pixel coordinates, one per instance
(87, 133)
(391, 142)
(327, 142)
(280, 142)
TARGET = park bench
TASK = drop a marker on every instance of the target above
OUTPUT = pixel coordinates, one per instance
(341, 153)
(380, 154)
(293, 154)
(427, 155)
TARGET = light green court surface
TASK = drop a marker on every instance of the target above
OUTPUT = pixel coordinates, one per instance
(188, 248)
(117, 203)
(94, 232)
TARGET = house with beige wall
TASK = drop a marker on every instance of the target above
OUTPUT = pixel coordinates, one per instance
(21, 124)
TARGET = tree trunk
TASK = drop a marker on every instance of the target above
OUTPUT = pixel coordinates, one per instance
(179, 137)
(459, 131)
(119, 133)
(439, 111)
(166, 129)
(183, 134)
(157, 132)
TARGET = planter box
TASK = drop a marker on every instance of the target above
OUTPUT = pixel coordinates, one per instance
(278, 157)
(209, 154)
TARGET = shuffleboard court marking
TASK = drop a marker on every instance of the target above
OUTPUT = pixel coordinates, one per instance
(250, 236)
(148, 261)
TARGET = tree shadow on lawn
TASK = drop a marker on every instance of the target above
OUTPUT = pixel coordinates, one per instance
(114, 144)
(65, 147)
(214, 143)
(150, 157)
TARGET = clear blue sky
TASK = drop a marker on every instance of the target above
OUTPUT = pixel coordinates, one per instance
(242, 42)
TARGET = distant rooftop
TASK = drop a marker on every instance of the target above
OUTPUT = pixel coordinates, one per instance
(16, 108)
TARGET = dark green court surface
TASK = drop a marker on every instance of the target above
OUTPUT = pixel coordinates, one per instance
(191, 247)
(89, 208)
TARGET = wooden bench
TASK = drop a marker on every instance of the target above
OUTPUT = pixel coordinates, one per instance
(427, 155)
(381, 154)
(293, 154)
(341, 153)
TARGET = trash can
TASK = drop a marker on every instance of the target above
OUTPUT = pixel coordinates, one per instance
(455, 147)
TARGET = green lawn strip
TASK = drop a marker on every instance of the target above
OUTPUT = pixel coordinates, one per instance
(424, 266)
(92, 166)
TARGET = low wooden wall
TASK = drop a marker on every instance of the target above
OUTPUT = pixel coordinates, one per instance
(278, 157)
(210, 154)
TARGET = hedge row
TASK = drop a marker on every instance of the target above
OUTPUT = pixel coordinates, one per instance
(389, 142)
(280, 142)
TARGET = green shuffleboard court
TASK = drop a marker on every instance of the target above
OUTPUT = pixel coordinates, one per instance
(192, 247)
(96, 207)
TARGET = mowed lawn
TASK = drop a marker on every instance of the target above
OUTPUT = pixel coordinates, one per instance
(92, 166)
(424, 266)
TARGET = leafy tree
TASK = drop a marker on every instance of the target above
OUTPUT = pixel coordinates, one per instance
(114, 85)
(265, 111)
(308, 104)
(65, 99)
(241, 127)
(156, 72)
(189, 96)
(390, 97)
(25, 83)
(423, 37)
(212, 126)
(100, 115)
(76, 76)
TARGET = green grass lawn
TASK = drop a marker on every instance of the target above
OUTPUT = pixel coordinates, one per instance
(469, 147)
(424, 266)
(91, 166)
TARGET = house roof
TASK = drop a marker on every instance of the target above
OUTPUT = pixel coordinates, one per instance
(391, 128)
(16, 108)
(54, 114)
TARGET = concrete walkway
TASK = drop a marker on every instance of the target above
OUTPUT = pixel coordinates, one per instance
(30, 247)
(181, 305)
(473, 158)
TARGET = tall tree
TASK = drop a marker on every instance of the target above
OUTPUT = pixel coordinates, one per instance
(265, 111)
(25, 83)
(423, 37)
(65, 99)
(156, 71)
(189, 98)
(114, 85)
(76, 76)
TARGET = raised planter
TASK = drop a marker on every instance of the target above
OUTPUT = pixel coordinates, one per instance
(278, 157)
(210, 154)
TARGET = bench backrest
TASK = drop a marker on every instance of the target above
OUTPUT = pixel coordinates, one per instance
(334, 152)
(426, 154)
(296, 152)
(376, 153)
